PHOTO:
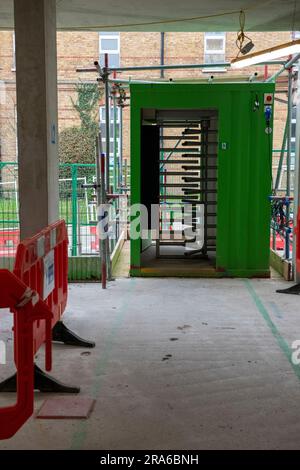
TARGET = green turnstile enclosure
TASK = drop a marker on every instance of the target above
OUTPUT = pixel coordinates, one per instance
(208, 147)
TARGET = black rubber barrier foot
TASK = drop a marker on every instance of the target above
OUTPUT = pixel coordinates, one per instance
(42, 382)
(290, 290)
(62, 334)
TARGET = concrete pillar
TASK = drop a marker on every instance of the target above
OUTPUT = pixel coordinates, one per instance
(36, 76)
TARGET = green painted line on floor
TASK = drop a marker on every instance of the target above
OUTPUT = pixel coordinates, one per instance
(287, 351)
(80, 434)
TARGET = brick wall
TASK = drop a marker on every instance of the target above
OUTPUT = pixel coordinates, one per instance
(82, 48)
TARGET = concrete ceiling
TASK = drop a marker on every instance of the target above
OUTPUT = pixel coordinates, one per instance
(158, 15)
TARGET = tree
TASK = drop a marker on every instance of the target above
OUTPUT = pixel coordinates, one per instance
(87, 103)
(77, 143)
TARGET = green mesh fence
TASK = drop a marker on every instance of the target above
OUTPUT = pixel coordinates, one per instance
(77, 206)
(9, 213)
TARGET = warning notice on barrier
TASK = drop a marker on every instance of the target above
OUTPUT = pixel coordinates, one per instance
(49, 274)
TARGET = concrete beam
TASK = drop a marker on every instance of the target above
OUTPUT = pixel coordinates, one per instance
(36, 78)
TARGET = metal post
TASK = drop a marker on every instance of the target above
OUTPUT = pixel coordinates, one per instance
(205, 196)
(282, 154)
(289, 133)
(162, 54)
(266, 72)
(106, 261)
(288, 159)
(99, 202)
(286, 66)
(161, 130)
(115, 144)
(297, 182)
(175, 66)
(74, 209)
(107, 122)
(181, 66)
(120, 180)
(274, 238)
(287, 241)
(79, 243)
(125, 174)
(103, 239)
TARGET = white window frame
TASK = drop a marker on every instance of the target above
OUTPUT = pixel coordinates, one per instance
(111, 121)
(211, 35)
(114, 36)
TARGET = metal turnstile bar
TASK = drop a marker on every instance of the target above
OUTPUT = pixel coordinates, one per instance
(178, 137)
(171, 196)
(200, 143)
(178, 162)
(178, 185)
(198, 131)
(201, 167)
(179, 173)
(178, 150)
(197, 180)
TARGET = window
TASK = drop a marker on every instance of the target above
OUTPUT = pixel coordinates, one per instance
(111, 130)
(293, 134)
(214, 50)
(109, 43)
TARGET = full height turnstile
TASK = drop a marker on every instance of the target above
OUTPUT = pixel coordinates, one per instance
(188, 186)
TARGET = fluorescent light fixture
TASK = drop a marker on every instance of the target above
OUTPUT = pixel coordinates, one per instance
(266, 55)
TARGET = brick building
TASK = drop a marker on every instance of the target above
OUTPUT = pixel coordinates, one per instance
(78, 49)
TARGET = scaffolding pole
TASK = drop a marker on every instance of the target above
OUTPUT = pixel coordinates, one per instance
(287, 65)
(107, 123)
(115, 169)
(281, 158)
(120, 177)
(101, 197)
(297, 184)
(289, 136)
(174, 66)
(184, 66)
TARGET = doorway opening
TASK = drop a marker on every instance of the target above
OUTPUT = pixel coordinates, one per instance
(179, 175)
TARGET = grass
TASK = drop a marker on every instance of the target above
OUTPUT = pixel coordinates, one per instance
(9, 212)
(9, 216)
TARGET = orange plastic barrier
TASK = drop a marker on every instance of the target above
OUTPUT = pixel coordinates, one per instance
(42, 264)
(36, 293)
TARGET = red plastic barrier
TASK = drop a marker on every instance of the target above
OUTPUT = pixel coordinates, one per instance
(94, 239)
(9, 240)
(27, 309)
(36, 291)
(32, 256)
(280, 242)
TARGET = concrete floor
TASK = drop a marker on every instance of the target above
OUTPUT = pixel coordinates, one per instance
(179, 364)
